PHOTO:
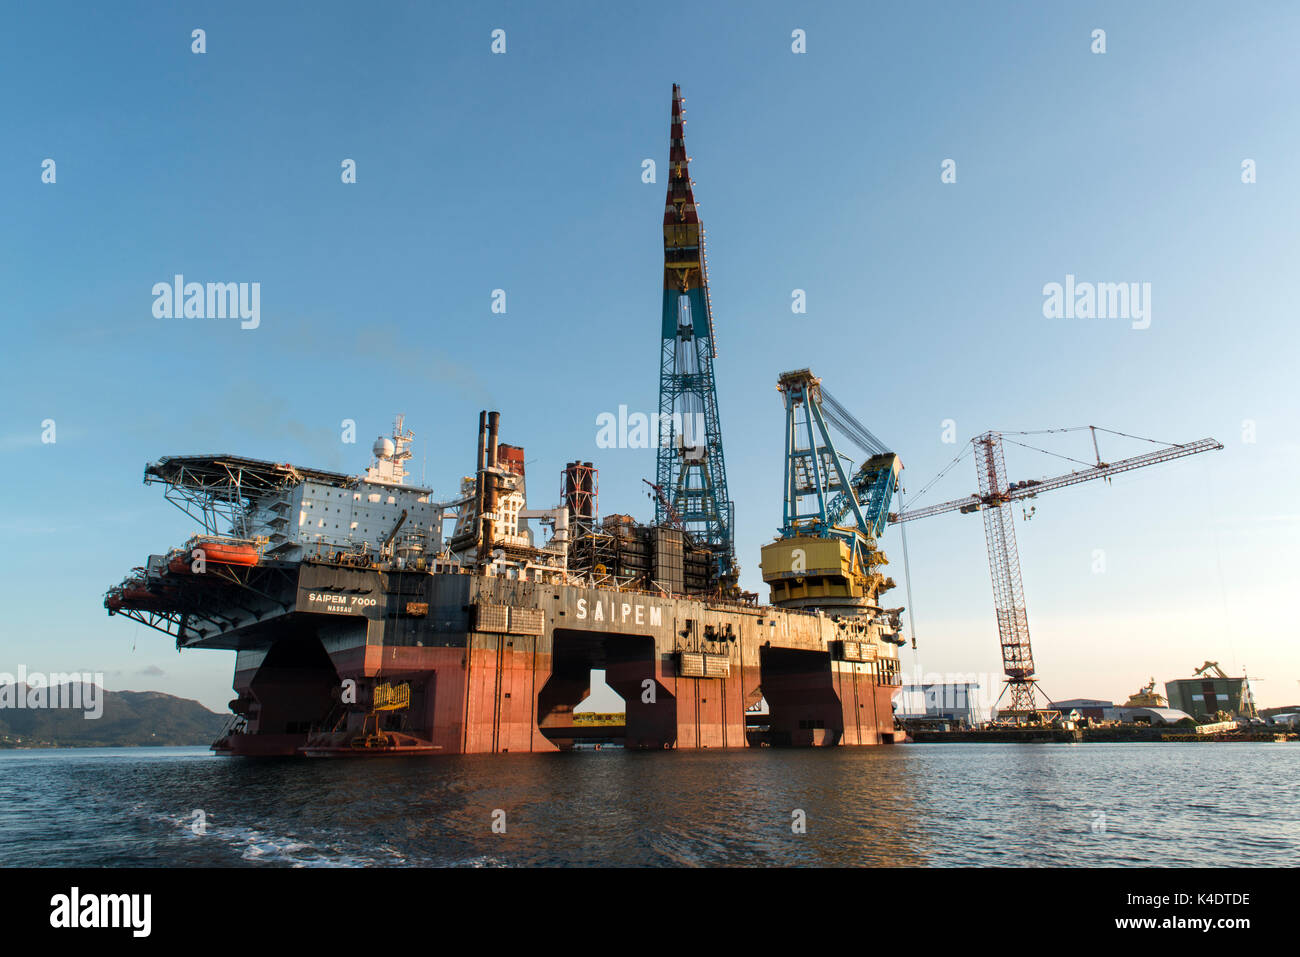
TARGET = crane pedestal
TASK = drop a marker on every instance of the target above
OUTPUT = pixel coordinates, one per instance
(1023, 695)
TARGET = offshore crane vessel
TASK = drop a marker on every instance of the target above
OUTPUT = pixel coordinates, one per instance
(367, 617)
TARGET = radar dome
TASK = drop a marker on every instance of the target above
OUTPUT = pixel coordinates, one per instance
(384, 448)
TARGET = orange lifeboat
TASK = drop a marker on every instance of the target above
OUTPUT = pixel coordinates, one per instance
(219, 552)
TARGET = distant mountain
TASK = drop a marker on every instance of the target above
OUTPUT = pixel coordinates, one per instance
(129, 718)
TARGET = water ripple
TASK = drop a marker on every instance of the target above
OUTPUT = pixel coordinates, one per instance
(1036, 805)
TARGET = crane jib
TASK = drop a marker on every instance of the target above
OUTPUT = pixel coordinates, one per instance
(1033, 487)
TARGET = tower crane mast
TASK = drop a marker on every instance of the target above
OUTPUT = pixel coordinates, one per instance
(689, 466)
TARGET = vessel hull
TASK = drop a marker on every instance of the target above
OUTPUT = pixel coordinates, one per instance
(499, 665)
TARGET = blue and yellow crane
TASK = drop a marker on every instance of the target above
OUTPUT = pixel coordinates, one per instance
(826, 554)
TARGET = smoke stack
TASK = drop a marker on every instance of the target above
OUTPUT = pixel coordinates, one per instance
(482, 439)
(494, 422)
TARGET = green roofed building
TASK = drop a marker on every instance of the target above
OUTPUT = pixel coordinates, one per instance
(1210, 690)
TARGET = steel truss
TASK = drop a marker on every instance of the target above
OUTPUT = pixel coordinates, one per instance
(689, 460)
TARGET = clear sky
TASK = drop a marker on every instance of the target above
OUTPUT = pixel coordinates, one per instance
(522, 171)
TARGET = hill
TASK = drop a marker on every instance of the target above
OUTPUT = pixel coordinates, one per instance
(129, 718)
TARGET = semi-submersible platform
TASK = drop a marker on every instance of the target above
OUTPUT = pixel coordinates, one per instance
(369, 618)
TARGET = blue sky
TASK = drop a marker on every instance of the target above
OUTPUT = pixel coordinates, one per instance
(817, 171)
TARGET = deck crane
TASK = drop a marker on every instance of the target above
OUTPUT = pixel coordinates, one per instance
(1207, 667)
(817, 470)
(995, 498)
(826, 556)
(661, 499)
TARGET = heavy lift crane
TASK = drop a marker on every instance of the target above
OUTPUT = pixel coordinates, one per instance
(817, 469)
(995, 499)
(826, 555)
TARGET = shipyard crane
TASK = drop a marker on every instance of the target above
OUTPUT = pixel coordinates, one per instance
(690, 465)
(1210, 666)
(995, 498)
(826, 556)
(817, 469)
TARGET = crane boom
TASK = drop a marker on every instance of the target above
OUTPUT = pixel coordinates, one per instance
(1031, 488)
(674, 519)
(817, 470)
(1208, 667)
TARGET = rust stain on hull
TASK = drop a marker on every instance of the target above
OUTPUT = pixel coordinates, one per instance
(498, 665)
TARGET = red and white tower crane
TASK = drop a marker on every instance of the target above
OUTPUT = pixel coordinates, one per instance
(995, 499)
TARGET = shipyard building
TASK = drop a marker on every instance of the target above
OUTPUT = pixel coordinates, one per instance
(953, 701)
(1209, 691)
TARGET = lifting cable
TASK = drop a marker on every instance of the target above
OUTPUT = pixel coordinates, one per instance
(1073, 428)
(907, 580)
(1138, 437)
(1058, 455)
(1234, 637)
(842, 419)
(1078, 428)
(1097, 428)
(929, 485)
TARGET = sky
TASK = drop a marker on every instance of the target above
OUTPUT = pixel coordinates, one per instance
(521, 171)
